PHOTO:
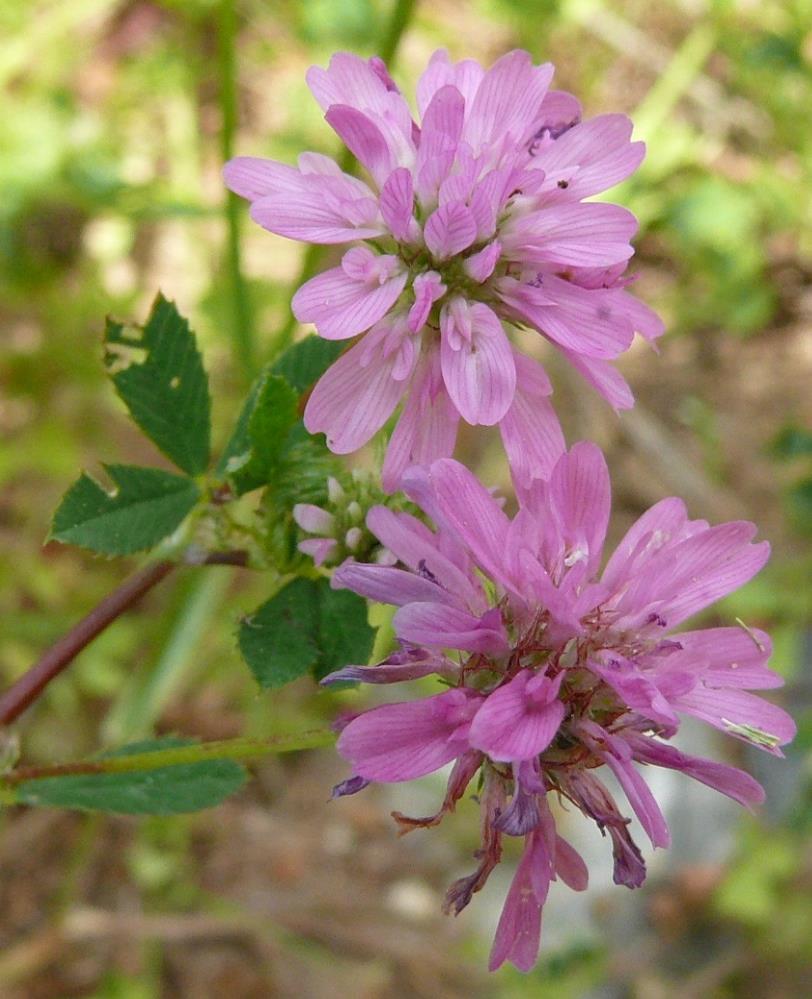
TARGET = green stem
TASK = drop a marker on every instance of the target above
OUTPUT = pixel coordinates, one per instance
(240, 750)
(401, 15)
(241, 309)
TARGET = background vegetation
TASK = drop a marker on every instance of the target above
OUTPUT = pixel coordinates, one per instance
(117, 115)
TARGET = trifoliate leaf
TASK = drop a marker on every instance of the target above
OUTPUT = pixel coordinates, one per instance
(306, 627)
(167, 391)
(146, 506)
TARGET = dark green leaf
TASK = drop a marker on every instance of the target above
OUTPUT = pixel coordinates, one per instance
(273, 414)
(345, 637)
(146, 506)
(279, 640)
(167, 392)
(306, 627)
(163, 790)
(306, 361)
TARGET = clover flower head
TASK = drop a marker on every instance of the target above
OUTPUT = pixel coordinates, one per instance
(471, 221)
(555, 668)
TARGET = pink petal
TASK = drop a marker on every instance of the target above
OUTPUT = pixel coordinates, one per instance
(479, 266)
(465, 76)
(698, 571)
(428, 288)
(450, 229)
(512, 725)
(577, 234)
(519, 929)
(649, 533)
(354, 398)
(398, 742)
(617, 755)
(570, 866)
(342, 307)
(728, 657)
(319, 549)
(386, 584)
(254, 178)
(427, 428)
(603, 377)
(580, 491)
(740, 714)
(600, 152)
(441, 126)
(530, 430)
(508, 99)
(413, 667)
(469, 510)
(403, 536)
(364, 140)
(735, 783)
(349, 79)
(442, 626)
(397, 204)
(311, 218)
(576, 319)
(479, 373)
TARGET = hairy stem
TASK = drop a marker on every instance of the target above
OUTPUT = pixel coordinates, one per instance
(239, 750)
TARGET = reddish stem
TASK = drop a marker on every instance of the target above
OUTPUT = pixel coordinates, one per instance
(31, 684)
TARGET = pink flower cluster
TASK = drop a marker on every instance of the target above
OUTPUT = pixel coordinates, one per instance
(557, 668)
(471, 224)
(470, 220)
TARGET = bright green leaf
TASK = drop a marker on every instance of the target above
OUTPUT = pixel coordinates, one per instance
(263, 439)
(164, 790)
(306, 627)
(167, 392)
(146, 506)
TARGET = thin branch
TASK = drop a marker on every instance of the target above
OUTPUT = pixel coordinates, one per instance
(240, 750)
(31, 684)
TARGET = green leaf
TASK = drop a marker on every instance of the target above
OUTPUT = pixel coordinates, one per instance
(345, 637)
(239, 442)
(306, 361)
(146, 506)
(306, 627)
(262, 440)
(279, 641)
(167, 392)
(162, 790)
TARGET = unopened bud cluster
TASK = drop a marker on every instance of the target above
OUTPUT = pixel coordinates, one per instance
(338, 529)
